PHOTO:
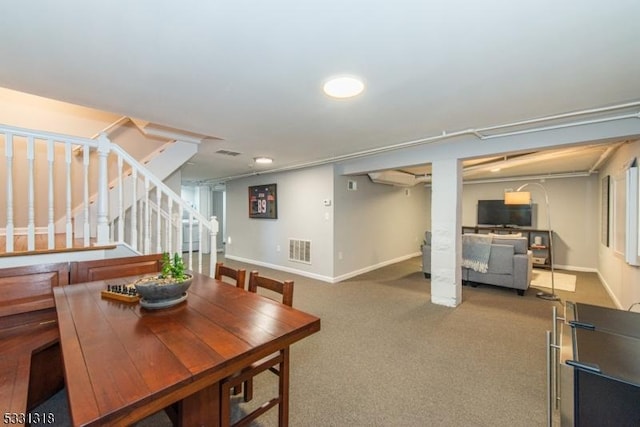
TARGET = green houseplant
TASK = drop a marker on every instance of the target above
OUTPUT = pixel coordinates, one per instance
(167, 288)
(173, 268)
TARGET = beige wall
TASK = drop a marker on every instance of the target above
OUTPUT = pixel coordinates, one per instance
(621, 279)
(573, 204)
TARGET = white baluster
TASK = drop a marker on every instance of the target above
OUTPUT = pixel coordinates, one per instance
(180, 237)
(200, 243)
(8, 151)
(147, 217)
(86, 229)
(31, 212)
(134, 209)
(69, 226)
(213, 253)
(51, 236)
(104, 147)
(158, 220)
(169, 225)
(121, 214)
(190, 241)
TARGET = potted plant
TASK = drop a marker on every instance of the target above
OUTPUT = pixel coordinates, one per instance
(167, 288)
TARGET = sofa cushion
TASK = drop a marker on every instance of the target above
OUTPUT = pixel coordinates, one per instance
(501, 259)
(520, 244)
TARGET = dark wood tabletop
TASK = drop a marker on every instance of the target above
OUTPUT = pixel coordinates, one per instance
(123, 362)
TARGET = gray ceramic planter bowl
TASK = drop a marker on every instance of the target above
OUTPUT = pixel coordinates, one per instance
(155, 291)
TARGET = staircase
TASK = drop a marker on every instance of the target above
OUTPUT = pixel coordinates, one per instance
(65, 193)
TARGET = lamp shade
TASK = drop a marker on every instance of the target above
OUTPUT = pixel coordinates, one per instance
(517, 198)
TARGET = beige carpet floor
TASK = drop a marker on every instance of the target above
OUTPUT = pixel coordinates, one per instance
(387, 356)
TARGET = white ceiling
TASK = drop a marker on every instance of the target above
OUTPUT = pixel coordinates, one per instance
(249, 74)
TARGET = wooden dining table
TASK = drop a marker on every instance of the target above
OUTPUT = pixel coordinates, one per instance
(123, 362)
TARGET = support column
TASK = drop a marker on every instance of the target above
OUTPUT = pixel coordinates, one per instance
(446, 243)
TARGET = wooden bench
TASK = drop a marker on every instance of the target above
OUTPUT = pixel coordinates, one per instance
(111, 268)
(31, 368)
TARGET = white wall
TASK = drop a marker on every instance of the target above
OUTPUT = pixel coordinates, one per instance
(574, 215)
(621, 279)
(301, 215)
(377, 224)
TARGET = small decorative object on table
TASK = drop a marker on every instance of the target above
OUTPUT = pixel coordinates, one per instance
(124, 293)
(166, 289)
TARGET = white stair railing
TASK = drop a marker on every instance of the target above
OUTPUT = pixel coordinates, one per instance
(114, 198)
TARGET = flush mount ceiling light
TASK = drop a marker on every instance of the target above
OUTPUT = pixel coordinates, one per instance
(263, 160)
(343, 87)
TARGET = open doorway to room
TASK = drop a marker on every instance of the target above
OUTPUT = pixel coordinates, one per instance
(209, 201)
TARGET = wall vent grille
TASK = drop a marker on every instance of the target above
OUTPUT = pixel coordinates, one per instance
(300, 250)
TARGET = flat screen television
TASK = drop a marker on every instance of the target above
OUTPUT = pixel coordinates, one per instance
(495, 212)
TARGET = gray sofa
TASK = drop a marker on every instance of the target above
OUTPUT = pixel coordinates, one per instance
(510, 263)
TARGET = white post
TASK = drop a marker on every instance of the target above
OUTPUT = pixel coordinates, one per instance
(85, 163)
(446, 240)
(51, 236)
(213, 252)
(8, 150)
(104, 147)
(31, 212)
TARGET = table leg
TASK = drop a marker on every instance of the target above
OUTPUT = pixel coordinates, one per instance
(201, 408)
(283, 408)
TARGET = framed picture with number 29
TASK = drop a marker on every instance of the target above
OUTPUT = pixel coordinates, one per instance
(263, 201)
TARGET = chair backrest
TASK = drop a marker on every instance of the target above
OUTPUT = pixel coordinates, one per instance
(283, 288)
(27, 290)
(113, 268)
(237, 275)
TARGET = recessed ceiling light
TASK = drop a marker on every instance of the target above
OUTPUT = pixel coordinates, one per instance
(495, 170)
(263, 160)
(343, 87)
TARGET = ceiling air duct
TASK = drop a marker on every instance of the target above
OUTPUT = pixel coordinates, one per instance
(397, 178)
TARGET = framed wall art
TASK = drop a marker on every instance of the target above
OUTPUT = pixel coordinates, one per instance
(263, 201)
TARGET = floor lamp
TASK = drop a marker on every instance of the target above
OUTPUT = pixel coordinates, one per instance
(520, 197)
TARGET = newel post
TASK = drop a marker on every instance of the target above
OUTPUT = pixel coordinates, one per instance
(213, 248)
(104, 147)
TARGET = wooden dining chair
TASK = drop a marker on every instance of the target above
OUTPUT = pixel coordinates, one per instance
(238, 276)
(277, 363)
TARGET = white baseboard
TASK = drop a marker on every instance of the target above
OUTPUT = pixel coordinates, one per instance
(320, 277)
(374, 267)
(282, 268)
(575, 268)
(607, 288)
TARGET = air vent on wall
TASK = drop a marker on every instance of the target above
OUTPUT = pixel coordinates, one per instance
(228, 153)
(300, 250)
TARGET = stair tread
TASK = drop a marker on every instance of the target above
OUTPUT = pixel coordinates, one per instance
(41, 245)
